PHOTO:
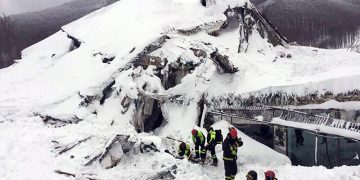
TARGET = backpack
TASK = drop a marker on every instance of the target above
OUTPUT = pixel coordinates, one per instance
(219, 136)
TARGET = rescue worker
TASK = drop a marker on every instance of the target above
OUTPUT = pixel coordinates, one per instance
(203, 2)
(229, 146)
(299, 137)
(211, 144)
(184, 150)
(206, 3)
(251, 175)
(199, 141)
(270, 175)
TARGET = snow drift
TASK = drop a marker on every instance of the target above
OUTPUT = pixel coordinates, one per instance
(109, 73)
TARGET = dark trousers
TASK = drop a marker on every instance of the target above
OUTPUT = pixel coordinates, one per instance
(230, 169)
(211, 148)
(200, 153)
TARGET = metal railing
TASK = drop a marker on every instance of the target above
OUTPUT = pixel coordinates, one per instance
(268, 113)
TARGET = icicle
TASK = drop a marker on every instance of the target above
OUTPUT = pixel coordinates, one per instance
(203, 116)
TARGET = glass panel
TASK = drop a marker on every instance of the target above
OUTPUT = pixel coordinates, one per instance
(349, 152)
(327, 151)
(301, 147)
(280, 139)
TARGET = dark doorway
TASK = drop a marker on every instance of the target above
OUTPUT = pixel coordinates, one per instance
(155, 119)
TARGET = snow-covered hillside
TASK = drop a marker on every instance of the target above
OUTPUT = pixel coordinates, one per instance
(32, 27)
(319, 23)
(92, 80)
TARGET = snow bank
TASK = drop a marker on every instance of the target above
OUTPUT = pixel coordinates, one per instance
(59, 42)
(332, 104)
(253, 152)
(53, 77)
(25, 151)
(319, 128)
(181, 119)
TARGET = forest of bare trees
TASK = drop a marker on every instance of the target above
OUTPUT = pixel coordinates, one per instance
(319, 23)
(8, 50)
(319, 30)
(24, 30)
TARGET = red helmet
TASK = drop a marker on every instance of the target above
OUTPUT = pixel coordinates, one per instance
(194, 132)
(233, 133)
(270, 173)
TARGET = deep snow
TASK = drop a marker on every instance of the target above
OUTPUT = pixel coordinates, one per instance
(49, 78)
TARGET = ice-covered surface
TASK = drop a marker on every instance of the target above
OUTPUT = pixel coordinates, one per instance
(331, 104)
(51, 75)
(317, 128)
(309, 70)
(25, 157)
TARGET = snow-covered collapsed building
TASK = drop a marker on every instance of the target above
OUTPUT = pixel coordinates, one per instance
(157, 66)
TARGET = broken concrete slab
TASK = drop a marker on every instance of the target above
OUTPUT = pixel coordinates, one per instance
(125, 103)
(177, 70)
(247, 19)
(148, 115)
(199, 53)
(151, 47)
(64, 148)
(114, 150)
(113, 157)
(107, 92)
(148, 60)
(86, 99)
(74, 175)
(57, 122)
(148, 106)
(189, 31)
(166, 173)
(223, 65)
